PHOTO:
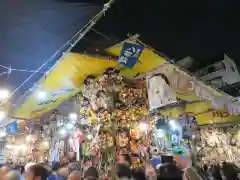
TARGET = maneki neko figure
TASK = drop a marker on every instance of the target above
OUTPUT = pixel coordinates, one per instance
(130, 96)
(90, 87)
(117, 80)
(111, 80)
(104, 100)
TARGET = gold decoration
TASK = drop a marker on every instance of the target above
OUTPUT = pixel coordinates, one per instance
(122, 138)
(105, 140)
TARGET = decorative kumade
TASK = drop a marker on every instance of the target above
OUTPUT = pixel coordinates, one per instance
(118, 105)
(131, 96)
(104, 118)
(219, 144)
(105, 140)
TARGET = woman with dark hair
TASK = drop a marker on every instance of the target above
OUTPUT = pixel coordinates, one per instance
(217, 172)
(229, 171)
(91, 174)
(169, 172)
(37, 172)
(123, 171)
(138, 174)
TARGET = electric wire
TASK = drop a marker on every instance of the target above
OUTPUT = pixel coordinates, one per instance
(5, 67)
(72, 42)
(103, 35)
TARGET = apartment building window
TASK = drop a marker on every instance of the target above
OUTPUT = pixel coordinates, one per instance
(217, 82)
(213, 68)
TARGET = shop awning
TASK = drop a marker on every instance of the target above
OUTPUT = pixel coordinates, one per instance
(66, 79)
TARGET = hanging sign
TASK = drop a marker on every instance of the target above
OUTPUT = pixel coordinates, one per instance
(12, 128)
(159, 92)
(129, 54)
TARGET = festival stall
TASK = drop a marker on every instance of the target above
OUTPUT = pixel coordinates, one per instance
(66, 79)
(219, 144)
(140, 105)
(22, 149)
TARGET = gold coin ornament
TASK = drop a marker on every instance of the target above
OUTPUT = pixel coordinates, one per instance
(90, 87)
(130, 96)
(135, 146)
(137, 162)
(105, 140)
(104, 118)
(111, 80)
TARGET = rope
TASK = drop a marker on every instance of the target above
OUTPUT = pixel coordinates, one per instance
(72, 42)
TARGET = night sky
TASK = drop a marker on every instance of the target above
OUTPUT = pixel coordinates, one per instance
(31, 31)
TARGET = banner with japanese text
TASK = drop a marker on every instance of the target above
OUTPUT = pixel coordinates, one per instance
(66, 79)
(159, 92)
(130, 54)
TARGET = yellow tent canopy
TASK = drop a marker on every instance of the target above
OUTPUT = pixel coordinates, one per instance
(66, 78)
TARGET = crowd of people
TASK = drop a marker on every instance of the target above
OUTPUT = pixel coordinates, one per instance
(168, 171)
(223, 171)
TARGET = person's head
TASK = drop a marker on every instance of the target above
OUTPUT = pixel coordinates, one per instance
(229, 171)
(3, 171)
(73, 167)
(75, 175)
(28, 165)
(63, 172)
(123, 171)
(91, 174)
(138, 174)
(124, 159)
(170, 171)
(12, 175)
(37, 172)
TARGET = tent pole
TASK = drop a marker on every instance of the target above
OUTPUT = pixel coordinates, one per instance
(92, 23)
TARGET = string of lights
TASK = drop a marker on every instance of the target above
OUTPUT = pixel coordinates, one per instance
(70, 44)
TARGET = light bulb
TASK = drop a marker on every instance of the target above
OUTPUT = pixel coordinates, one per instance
(4, 94)
(73, 116)
(2, 133)
(62, 131)
(143, 126)
(41, 95)
(69, 126)
(89, 136)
